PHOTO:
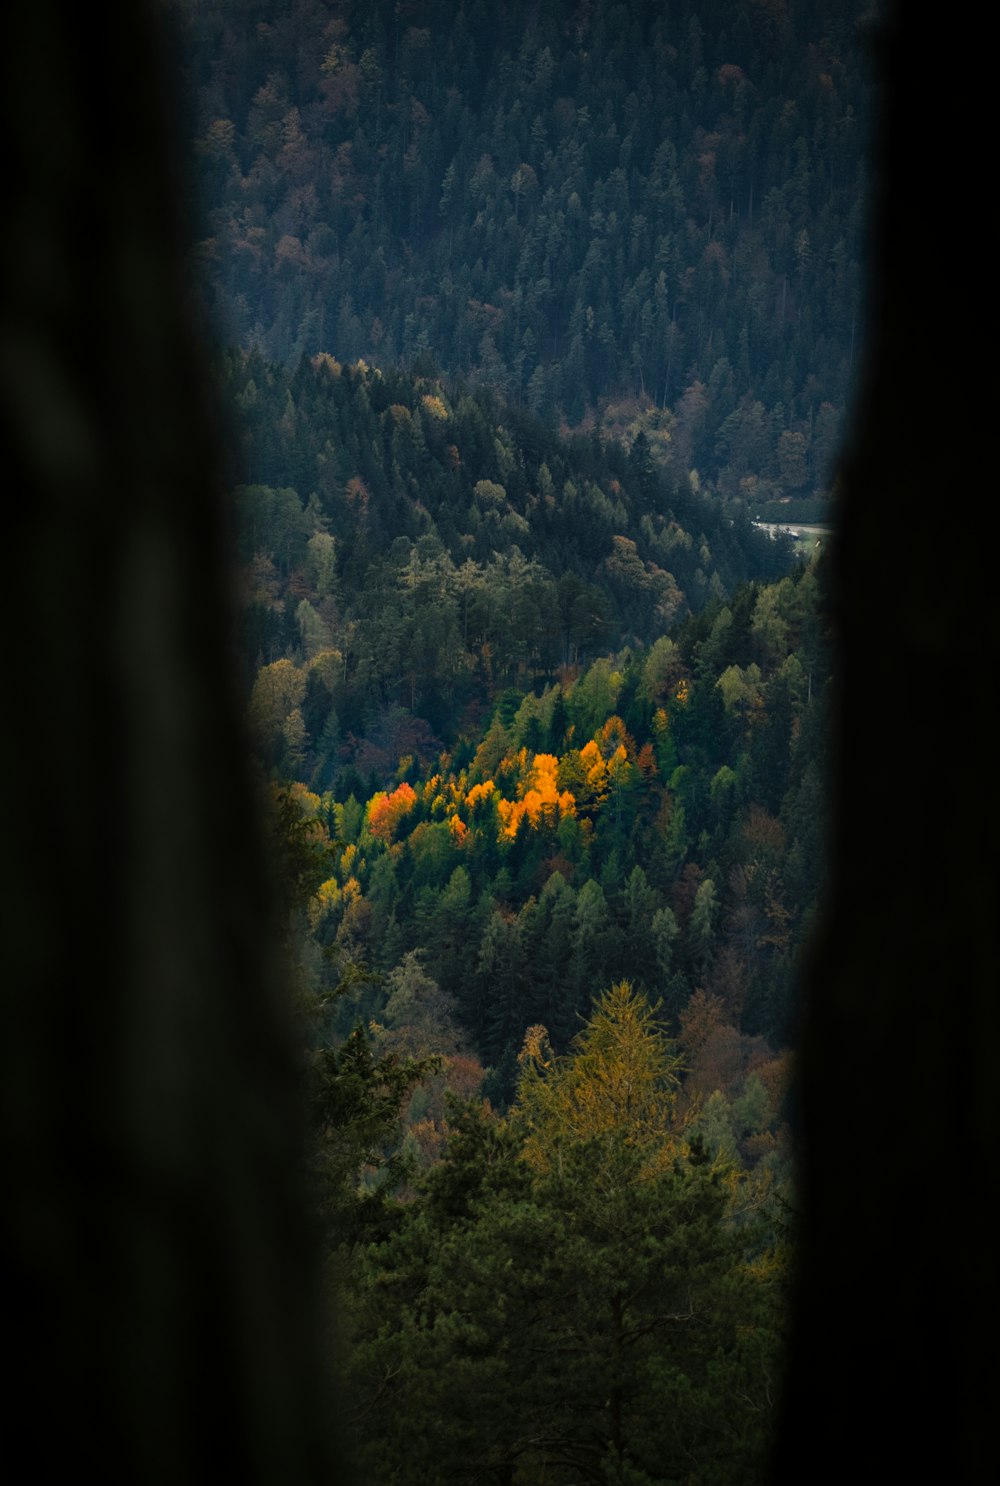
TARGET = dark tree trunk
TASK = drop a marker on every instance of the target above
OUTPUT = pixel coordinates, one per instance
(163, 1320)
(892, 1373)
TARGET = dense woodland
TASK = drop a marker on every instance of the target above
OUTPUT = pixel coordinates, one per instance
(444, 549)
(596, 210)
(444, 686)
(582, 1280)
(524, 316)
(545, 730)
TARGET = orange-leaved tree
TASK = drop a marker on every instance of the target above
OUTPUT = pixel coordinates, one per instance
(385, 811)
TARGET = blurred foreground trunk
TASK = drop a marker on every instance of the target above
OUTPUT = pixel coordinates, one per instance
(892, 1372)
(163, 1320)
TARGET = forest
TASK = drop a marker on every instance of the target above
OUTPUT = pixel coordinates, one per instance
(544, 732)
(514, 356)
(598, 211)
(299, 1187)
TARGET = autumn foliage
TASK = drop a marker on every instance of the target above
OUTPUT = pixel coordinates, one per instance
(385, 811)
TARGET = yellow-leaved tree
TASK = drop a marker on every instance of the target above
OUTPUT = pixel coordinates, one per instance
(614, 1096)
(565, 1298)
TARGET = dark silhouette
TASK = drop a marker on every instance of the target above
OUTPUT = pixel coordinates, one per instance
(892, 1363)
(163, 1320)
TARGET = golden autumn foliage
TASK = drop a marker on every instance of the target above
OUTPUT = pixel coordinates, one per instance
(617, 762)
(595, 780)
(543, 768)
(443, 797)
(541, 801)
(546, 788)
(324, 901)
(480, 792)
(307, 801)
(617, 1089)
(324, 360)
(434, 405)
(614, 736)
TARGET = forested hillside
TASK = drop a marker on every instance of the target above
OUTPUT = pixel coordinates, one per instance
(585, 1279)
(583, 898)
(498, 678)
(654, 816)
(544, 726)
(409, 550)
(657, 819)
(541, 712)
(590, 912)
(613, 210)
